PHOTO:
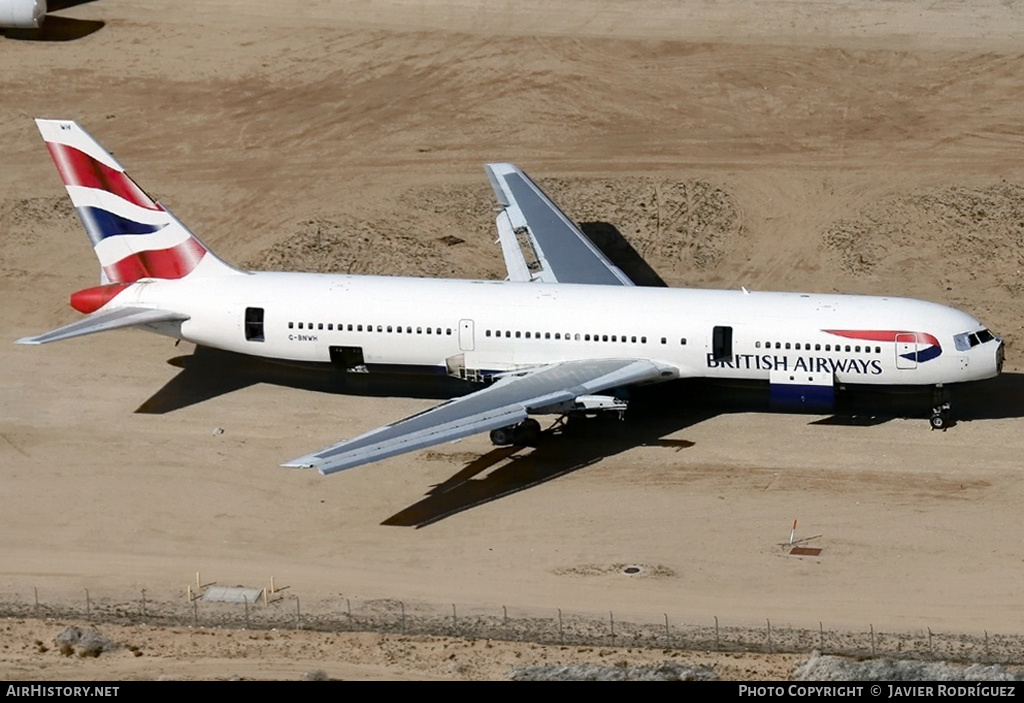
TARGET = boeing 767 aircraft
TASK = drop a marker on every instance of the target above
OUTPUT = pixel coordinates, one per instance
(562, 335)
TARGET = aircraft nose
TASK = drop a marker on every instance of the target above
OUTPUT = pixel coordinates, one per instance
(1000, 357)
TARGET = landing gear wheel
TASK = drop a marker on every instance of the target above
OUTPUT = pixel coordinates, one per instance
(528, 433)
(938, 422)
(525, 434)
(502, 437)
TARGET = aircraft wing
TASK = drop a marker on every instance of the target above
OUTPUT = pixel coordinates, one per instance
(104, 320)
(505, 402)
(538, 241)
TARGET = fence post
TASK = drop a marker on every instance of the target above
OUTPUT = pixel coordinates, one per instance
(88, 606)
(246, 599)
(717, 643)
(401, 603)
(195, 612)
(821, 637)
(143, 602)
(455, 622)
(611, 619)
(872, 641)
(36, 590)
(931, 650)
(561, 633)
(298, 614)
(668, 637)
(504, 621)
(770, 649)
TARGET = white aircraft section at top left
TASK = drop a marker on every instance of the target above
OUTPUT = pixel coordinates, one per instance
(22, 14)
(567, 334)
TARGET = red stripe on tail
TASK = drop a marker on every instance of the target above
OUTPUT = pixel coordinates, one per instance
(79, 169)
(175, 262)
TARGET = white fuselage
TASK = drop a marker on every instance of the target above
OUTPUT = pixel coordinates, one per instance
(476, 328)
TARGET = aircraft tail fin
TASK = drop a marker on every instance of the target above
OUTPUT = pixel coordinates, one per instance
(134, 237)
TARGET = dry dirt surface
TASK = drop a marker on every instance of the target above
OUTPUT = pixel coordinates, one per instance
(851, 146)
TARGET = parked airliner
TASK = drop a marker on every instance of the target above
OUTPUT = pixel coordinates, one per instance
(564, 334)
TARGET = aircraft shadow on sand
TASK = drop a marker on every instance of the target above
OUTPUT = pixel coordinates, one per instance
(563, 449)
(617, 248)
(209, 373)
(57, 29)
(655, 412)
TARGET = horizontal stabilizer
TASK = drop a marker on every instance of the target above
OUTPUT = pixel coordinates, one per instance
(103, 321)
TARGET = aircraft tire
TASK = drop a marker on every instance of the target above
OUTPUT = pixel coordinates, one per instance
(502, 437)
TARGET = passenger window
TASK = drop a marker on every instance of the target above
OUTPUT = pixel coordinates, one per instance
(291, 325)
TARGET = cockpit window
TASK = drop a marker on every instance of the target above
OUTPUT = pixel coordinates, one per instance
(966, 340)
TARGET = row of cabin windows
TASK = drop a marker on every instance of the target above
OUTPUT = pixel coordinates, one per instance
(578, 337)
(398, 329)
(818, 347)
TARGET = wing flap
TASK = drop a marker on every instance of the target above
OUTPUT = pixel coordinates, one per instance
(506, 402)
(104, 320)
(563, 252)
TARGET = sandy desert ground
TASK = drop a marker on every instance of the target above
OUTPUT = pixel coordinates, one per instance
(849, 146)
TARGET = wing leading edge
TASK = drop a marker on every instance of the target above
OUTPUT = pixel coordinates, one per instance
(507, 401)
(561, 253)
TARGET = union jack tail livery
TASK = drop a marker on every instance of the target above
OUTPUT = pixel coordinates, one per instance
(134, 237)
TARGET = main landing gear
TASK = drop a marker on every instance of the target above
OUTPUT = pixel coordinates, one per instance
(940, 416)
(525, 434)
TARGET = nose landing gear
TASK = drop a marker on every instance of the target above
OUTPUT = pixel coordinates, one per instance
(940, 417)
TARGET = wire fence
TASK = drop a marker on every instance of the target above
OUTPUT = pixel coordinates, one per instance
(284, 609)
